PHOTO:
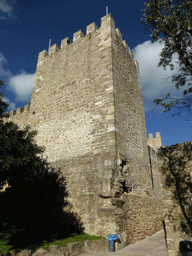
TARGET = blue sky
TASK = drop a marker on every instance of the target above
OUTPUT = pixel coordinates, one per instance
(27, 25)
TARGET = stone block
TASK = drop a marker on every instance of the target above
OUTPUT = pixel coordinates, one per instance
(25, 253)
(40, 252)
(65, 42)
(108, 21)
(13, 253)
(118, 33)
(57, 251)
(42, 55)
(106, 212)
(100, 246)
(91, 28)
(88, 246)
(54, 48)
(121, 241)
(75, 248)
(117, 202)
(77, 35)
(125, 44)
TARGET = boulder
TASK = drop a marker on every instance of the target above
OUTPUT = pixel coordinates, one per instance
(57, 251)
(100, 245)
(25, 253)
(11, 253)
(40, 252)
(88, 246)
(75, 248)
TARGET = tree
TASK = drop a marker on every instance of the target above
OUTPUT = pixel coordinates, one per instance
(33, 203)
(3, 105)
(170, 22)
(20, 156)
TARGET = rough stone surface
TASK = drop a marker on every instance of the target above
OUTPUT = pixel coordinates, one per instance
(88, 110)
(40, 252)
(25, 253)
(100, 245)
(75, 248)
(57, 251)
(175, 164)
(11, 253)
(88, 246)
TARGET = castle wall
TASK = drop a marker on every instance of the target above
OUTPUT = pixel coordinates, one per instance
(142, 202)
(155, 143)
(72, 108)
(155, 164)
(176, 177)
(143, 217)
(72, 97)
(131, 138)
(87, 108)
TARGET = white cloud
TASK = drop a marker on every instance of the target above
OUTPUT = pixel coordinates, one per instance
(11, 106)
(154, 80)
(6, 8)
(3, 71)
(22, 85)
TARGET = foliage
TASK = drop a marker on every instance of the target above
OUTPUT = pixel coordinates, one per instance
(3, 105)
(171, 22)
(74, 238)
(32, 206)
(20, 156)
(32, 213)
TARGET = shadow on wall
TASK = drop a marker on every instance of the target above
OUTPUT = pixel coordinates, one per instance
(176, 172)
(32, 211)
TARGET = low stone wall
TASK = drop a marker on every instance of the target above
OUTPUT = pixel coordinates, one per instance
(75, 248)
(176, 176)
(143, 217)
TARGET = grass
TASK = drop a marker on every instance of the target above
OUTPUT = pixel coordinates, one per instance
(5, 247)
(9, 230)
(74, 238)
(15, 236)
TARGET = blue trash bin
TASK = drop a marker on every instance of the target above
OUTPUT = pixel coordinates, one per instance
(111, 242)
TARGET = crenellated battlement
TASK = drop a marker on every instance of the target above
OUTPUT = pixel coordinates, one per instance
(19, 111)
(156, 142)
(106, 21)
(87, 109)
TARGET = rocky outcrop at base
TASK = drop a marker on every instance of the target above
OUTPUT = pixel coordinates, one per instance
(75, 248)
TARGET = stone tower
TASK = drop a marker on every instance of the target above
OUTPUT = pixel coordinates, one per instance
(87, 107)
(155, 143)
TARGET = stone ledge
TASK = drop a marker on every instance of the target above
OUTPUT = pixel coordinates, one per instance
(75, 248)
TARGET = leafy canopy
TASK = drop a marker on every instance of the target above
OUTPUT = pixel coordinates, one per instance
(20, 156)
(170, 22)
(3, 104)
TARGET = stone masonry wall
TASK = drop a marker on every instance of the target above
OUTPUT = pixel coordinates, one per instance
(155, 143)
(131, 138)
(155, 164)
(143, 217)
(176, 177)
(87, 108)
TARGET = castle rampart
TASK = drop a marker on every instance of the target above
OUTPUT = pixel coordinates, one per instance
(87, 107)
(155, 143)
